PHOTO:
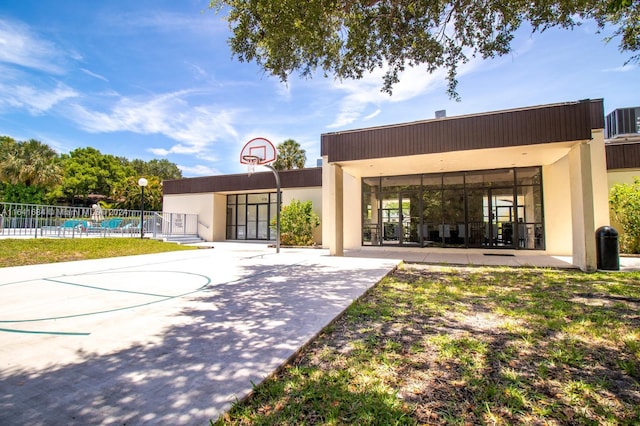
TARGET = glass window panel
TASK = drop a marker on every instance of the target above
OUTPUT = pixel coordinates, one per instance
(258, 198)
(390, 218)
(252, 230)
(273, 197)
(242, 214)
(231, 215)
(529, 176)
(410, 218)
(231, 199)
(498, 177)
(431, 216)
(452, 229)
(474, 180)
(537, 197)
(371, 229)
(251, 214)
(477, 217)
(263, 211)
(370, 184)
(263, 221)
(242, 198)
(530, 204)
(453, 180)
(401, 183)
(241, 233)
(432, 181)
(263, 230)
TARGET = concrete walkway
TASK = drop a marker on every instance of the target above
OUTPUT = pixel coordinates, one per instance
(174, 338)
(477, 258)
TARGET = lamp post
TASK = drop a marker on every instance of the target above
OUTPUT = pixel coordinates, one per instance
(142, 182)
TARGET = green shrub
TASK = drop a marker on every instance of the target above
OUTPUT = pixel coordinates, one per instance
(624, 201)
(297, 222)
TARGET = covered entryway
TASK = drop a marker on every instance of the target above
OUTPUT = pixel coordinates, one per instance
(523, 179)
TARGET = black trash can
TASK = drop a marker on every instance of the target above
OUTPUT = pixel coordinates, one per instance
(607, 248)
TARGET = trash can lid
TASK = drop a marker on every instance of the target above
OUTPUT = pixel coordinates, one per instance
(606, 231)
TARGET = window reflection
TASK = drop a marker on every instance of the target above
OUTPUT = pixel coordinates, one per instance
(491, 208)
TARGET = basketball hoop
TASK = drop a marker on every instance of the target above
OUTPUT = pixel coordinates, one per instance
(261, 152)
(251, 161)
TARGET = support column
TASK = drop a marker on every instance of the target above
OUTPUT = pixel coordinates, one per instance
(582, 207)
(336, 188)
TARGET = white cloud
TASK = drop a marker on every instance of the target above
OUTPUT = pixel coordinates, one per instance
(198, 170)
(33, 99)
(92, 74)
(170, 114)
(373, 114)
(205, 24)
(19, 46)
(365, 92)
(414, 82)
(624, 68)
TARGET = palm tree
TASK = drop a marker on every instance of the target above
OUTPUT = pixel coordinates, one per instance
(290, 156)
(31, 163)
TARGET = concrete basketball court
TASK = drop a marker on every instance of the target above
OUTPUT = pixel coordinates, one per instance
(169, 338)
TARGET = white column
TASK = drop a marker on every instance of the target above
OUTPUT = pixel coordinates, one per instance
(582, 207)
(333, 206)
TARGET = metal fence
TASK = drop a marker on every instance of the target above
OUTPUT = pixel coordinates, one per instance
(35, 221)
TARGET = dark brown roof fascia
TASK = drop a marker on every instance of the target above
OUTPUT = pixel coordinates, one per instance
(623, 155)
(299, 178)
(526, 126)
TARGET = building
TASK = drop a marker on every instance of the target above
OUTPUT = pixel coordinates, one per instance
(623, 145)
(529, 180)
(241, 207)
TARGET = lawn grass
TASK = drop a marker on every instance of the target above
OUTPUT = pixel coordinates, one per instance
(19, 252)
(438, 345)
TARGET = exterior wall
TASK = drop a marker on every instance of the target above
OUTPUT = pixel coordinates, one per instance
(621, 176)
(211, 209)
(557, 208)
(307, 194)
(200, 204)
(219, 219)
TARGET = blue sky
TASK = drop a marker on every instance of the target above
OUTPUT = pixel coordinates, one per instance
(156, 79)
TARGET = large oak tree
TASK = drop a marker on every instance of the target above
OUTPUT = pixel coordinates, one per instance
(348, 38)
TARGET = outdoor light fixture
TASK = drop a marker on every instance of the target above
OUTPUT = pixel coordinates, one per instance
(142, 182)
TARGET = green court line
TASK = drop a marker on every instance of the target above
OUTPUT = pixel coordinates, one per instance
(207, 279)
(106, 289)
(57, 333)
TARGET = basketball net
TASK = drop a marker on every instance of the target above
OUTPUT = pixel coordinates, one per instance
(252, 162)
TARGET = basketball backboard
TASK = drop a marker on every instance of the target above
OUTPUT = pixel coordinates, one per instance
(259, 151)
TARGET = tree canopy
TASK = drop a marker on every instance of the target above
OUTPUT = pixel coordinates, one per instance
(32, 172)
(290, 156)
(348, 38)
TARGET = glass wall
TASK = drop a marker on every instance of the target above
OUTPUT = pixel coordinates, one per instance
(249, 216)
(491, 208)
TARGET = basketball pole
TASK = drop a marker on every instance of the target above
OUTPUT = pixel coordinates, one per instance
(278, 202)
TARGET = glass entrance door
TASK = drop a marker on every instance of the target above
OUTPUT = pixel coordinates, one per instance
(400, 218)
(257, 222)
(500, 217)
